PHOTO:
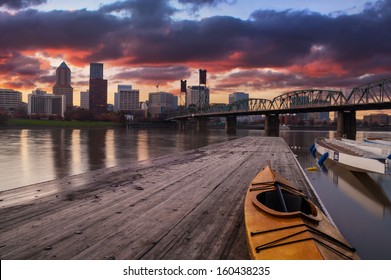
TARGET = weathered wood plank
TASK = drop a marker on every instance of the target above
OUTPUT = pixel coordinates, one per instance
(183, 206)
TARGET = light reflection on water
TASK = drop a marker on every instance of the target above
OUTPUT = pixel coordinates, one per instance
(358, 203)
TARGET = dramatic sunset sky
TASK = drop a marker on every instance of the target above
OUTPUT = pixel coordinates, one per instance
(263, 47)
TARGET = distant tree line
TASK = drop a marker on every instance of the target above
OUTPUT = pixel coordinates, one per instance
(3, 118)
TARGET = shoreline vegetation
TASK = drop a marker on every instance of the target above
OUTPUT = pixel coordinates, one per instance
(60, 123)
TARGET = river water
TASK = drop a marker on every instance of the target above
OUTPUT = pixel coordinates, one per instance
(359, 204)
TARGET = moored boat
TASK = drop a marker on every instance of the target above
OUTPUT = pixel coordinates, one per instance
(355, 156)
(378, 141)
(282, 223)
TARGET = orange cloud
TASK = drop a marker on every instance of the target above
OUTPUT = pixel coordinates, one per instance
(319, 68)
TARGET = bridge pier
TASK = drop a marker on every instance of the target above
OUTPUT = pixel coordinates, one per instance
(346, 125)
(202, 124)
(272, 125)
(230, 124)
(182, 124)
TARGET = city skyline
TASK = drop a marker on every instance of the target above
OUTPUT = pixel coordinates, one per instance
(264, 48)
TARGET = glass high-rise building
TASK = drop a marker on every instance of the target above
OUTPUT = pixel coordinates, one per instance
(96, 70)
(236, 96)
(63, 84)
(161, 103)
(98, 89)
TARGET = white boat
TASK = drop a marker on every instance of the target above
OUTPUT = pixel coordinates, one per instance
(378, 148)
(377, 141)
(284, 127)
(352, 157)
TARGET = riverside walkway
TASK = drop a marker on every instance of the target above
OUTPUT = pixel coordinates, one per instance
(187, 205)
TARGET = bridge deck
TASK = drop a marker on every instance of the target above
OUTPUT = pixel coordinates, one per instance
(183, 206)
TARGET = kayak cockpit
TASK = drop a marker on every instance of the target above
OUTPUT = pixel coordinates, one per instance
(285, 203)
(293, 203)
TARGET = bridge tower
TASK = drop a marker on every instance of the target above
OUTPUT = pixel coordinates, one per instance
(203, 96)
(346, 124)
(230, 124)
(183, 91)
(272, 125)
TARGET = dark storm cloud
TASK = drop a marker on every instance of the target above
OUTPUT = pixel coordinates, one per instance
(32, 29)
(20, 4)
(207, 40)
(260, 80)
(16, 64)
(145, 13)
(143, 32)
(200, 3)
(270, 39)
(155, 75)
(20, 71)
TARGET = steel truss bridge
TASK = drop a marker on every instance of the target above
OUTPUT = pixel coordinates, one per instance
(372, 96)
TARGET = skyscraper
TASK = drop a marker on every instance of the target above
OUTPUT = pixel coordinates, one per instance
(98, 89)
(85, 99)
(161, 103)
(96, 70)
(44, 104)
(236, 96)
(126, 99)
(10, 101)
(63, 84)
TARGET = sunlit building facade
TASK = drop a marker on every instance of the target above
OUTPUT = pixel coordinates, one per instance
(85, 99)
(46, 105)
(236, 96)
(160, 104)
(10, 101)
(126, 99)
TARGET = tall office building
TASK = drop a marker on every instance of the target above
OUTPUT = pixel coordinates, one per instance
(126, 99)
(85, 99)
(198, 96)
(161, 103)
(10, 101)
(96, 70)
(98, 89)
(236, 96)
(44, 104)
(63, 84)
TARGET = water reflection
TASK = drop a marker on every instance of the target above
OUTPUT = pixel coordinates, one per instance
(362, 188)
(142, 145)
(110, 148)
(96, 147)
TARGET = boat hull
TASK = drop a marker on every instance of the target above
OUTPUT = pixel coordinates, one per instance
(353, 161)
(293, 235)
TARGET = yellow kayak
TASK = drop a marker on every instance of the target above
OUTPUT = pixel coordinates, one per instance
(281, 223)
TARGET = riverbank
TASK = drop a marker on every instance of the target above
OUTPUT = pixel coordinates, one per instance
(28, 123)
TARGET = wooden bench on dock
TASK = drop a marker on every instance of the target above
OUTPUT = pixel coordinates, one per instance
(187, 205)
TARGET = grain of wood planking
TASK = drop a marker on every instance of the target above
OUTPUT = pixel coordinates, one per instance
(187, 205)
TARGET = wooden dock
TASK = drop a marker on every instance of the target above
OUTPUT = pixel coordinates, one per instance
(187, 205)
